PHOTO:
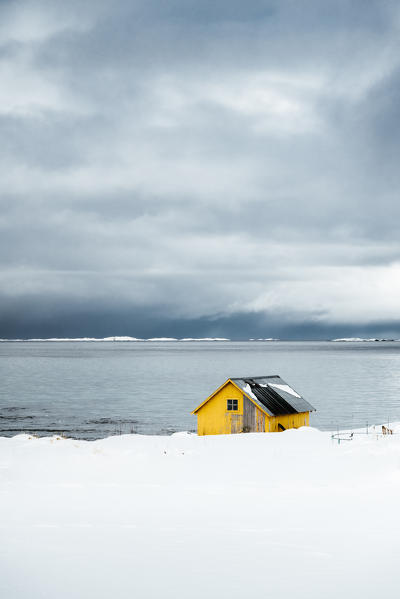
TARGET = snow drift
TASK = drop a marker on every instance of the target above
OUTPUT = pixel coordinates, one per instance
(283, 515)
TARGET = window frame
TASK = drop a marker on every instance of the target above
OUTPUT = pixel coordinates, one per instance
(232, 402)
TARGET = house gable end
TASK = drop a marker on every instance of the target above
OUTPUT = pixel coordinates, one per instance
(242, 391)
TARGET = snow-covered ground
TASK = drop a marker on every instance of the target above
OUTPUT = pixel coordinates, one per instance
(293, 514)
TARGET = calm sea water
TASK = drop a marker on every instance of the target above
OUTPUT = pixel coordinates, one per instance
(93, 390)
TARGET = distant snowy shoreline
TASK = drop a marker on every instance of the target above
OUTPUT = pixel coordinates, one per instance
(117, 339)
(125, 339)
(128, 339)
(359, 340)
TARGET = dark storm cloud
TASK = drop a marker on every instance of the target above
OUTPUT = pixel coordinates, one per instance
(198, 166)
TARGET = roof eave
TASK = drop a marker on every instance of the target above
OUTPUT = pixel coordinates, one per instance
(211, 396)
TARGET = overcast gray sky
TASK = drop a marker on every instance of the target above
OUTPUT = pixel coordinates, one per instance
(189, 167)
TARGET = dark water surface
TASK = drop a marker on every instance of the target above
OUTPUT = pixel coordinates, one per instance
(90, 390)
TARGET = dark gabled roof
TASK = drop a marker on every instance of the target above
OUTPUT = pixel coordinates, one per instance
(273, 395)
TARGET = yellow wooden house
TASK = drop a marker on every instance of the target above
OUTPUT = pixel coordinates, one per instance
(252, 405)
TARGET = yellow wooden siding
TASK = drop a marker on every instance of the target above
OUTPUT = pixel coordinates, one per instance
(287, 421)
(214, 419)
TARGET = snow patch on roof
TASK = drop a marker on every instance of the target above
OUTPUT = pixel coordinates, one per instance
(247, 389)
(285, 388)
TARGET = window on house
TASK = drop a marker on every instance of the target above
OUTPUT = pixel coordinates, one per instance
(232, 404)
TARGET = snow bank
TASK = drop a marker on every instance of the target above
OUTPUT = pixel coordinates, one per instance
(292, 514)
(266, 339)
(205, 339)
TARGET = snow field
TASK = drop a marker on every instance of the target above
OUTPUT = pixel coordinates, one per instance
(271, 515)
